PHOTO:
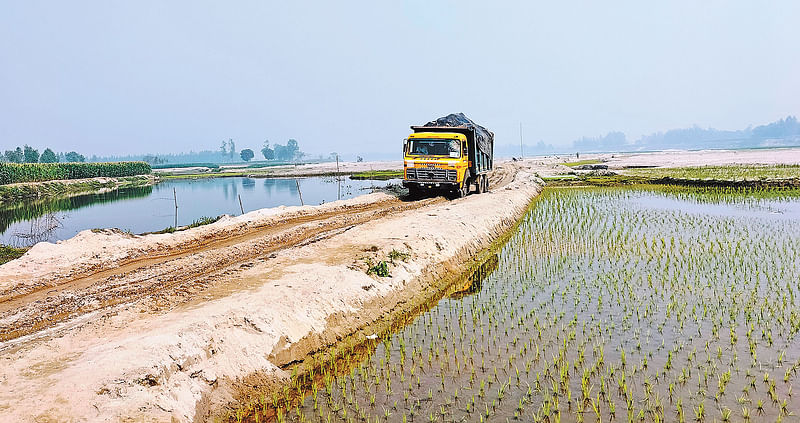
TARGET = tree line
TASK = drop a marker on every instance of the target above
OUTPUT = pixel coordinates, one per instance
(287, 153)
(227, 153)
(28, 154)
(783, 132)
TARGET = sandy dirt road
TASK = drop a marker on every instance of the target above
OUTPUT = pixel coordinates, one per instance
(175, 273)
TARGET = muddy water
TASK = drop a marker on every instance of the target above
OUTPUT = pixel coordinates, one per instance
(623, 304)
(152, 208)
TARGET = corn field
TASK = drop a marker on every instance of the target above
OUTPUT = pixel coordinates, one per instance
(38, 172)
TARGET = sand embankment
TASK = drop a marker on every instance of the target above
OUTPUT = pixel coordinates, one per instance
(190, 351)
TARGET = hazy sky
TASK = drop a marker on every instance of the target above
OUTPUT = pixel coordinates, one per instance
(166, 76)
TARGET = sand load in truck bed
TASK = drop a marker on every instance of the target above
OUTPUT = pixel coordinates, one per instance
(484, 138)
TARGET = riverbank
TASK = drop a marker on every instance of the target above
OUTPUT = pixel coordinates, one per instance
(285, 171)
(70, 187)
(8, 253)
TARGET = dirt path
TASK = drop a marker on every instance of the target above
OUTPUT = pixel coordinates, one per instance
(184, 269)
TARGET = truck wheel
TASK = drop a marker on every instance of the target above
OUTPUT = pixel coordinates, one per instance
(414, 193)
(465, 187)
(485, 183)
(480, 184)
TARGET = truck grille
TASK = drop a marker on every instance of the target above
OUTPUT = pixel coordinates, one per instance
(434, 175)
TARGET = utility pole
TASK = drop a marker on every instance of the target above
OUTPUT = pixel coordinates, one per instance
(338, 178)
(521, 152)
(299, 192)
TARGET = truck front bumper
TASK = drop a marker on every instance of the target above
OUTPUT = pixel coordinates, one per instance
(433, 185)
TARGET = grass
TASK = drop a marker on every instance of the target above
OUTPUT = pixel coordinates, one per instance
(582, 162)
(752, 176)
(16, 192)
(378, 175)
(204, 175)
(8, 253)
(184, 165)
(205, 220)
(721, 173)
(380, 269)
(395, 255)
(241, 165)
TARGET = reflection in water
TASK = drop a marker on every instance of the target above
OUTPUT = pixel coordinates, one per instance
(40, 229)
(248, 184)
(32, 210)
(474, 282)
(284, 186)
(152, 208)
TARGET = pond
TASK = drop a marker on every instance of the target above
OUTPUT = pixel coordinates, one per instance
(642, 304)
(152, 208)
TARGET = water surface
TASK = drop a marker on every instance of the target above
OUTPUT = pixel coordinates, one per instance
(152, 208)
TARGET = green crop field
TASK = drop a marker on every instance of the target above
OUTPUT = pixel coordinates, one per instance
(727, 173)
(606, 304)
(38, 172)
(378, 175)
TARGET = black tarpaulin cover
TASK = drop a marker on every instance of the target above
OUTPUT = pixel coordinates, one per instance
(483, 137)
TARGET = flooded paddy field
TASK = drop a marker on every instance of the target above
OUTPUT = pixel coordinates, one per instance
(605, 304)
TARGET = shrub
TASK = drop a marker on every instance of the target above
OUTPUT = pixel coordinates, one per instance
(381, 269)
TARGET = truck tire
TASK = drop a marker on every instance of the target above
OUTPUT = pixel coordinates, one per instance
(485, 183)
(479, 184)
(465, 187)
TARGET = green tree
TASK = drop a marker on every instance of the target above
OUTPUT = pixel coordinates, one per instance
(231, 147)
(48, 156)
(224, 147)
(31, 154)
(246, 154)
(73, 157)
(268, 153)
(14, 156)
(153, 160)
(293, 149)
(281, 152)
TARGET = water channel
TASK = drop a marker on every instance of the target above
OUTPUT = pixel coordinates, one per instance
(152, 208)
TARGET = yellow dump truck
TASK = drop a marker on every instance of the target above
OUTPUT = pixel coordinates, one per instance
(448, 154)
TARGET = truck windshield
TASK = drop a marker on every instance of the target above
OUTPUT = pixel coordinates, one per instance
(435, 147)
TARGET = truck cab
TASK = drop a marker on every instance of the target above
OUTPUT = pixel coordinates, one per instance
(437, 161)
(448, 154)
